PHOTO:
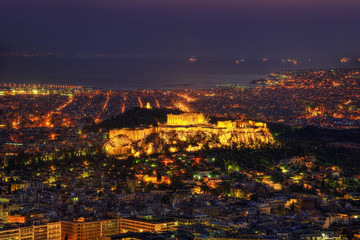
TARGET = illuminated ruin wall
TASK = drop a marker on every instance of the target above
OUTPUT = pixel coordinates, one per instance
(186, 119)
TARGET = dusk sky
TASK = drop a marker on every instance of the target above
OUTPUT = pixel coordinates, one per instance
(180, 28)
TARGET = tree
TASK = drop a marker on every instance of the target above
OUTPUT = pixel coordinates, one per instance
(277, 177)
(165, 199)
(224, 188)
(292, 207)
(204, 188)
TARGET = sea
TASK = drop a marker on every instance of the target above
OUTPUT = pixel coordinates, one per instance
(126, 74)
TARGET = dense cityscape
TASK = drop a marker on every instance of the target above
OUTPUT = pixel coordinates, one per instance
(179, 120)
(230, 162)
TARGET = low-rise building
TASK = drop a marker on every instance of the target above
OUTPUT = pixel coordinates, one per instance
(144, 225)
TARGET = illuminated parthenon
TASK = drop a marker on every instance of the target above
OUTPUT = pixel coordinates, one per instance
(186, 119)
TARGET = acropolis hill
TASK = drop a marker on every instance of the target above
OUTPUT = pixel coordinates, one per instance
(185, 132)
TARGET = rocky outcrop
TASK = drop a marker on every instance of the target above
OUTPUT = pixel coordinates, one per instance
(119, 145)
(169, 138)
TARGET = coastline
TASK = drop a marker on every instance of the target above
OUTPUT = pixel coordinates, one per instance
(120, 74)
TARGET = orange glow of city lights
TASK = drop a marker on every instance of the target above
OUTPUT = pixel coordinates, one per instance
(345, 60)
(157, 103)
(65, 104)
(103, 109)
(189, 99)
(140, 102)
(182, 107)
(52, 136)
(192, 59)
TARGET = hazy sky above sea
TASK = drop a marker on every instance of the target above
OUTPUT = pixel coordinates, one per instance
(182, 28)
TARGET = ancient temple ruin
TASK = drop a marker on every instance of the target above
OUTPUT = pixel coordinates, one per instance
(182, 128)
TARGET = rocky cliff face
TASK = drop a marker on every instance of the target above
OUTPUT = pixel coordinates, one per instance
(162, 139)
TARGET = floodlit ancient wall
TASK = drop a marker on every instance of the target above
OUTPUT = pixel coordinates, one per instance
(186, 119)
(226, 124)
